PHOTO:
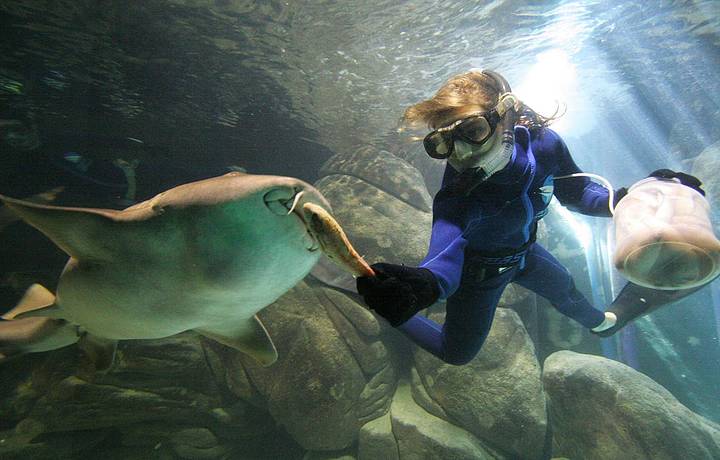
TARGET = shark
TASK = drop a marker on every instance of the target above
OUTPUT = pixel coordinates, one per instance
(205, 256)
(8, 217)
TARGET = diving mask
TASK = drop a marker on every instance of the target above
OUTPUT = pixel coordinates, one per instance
(474, 129)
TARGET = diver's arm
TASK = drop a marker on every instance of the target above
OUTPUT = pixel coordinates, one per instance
(397, 292)
(447, 245)
(578, 194)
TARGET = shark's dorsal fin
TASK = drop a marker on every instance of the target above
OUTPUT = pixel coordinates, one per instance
(37, 301)
(83, 233)
(249, 337)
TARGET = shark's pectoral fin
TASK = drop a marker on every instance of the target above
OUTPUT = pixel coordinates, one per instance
(37, 301)
(249, 337)
(101, 352)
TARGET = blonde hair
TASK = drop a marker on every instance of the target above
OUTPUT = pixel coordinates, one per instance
(465, 94)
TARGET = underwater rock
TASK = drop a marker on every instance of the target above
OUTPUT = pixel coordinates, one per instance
(76, 404)
(603, 409)
(197, 444)
(346, 454)
(685, 139)
(383, 170)
(498, 396)
(381, 202)
(158, 394)
(330, 378)
(58, 446)
(514, 294)
(152, 380)
(423, 398)
(381, 227)
(421, 435)
(672, 349)
(235, 376)
(414, 153)
(377, 440)
(561, 332)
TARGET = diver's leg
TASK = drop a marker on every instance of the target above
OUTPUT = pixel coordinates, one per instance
(470, 312)
(544, 275)
(426, 333)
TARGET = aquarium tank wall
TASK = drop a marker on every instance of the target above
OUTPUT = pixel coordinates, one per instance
(133, 334)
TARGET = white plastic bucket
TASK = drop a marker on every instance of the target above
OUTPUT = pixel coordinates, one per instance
(663, 236)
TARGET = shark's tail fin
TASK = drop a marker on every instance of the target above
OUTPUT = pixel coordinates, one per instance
(34, 335)
(34, 325)
(37, 301)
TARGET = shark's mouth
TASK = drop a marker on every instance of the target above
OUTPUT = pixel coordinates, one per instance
(285, 201)
(322, 230)
(333, 241)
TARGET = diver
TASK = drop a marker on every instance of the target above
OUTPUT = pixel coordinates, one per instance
(502, 160)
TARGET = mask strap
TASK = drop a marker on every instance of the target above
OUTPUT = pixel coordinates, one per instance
(508, 101)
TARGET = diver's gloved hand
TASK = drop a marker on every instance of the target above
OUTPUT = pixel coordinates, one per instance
(619, 195)
(685, 179)
(397, 292)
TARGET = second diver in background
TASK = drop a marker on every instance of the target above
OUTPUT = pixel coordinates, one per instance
(502, 160)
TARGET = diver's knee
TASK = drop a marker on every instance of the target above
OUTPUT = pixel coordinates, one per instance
(461, 352)
(458, 361)
(459, 358)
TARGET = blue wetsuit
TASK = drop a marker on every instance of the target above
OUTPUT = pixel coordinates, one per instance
(482, 241)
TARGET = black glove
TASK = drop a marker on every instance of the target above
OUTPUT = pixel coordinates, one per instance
(397, 292)
(619, 195)
(685, 179)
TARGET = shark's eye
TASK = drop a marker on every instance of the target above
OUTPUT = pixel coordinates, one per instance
(281, 200)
